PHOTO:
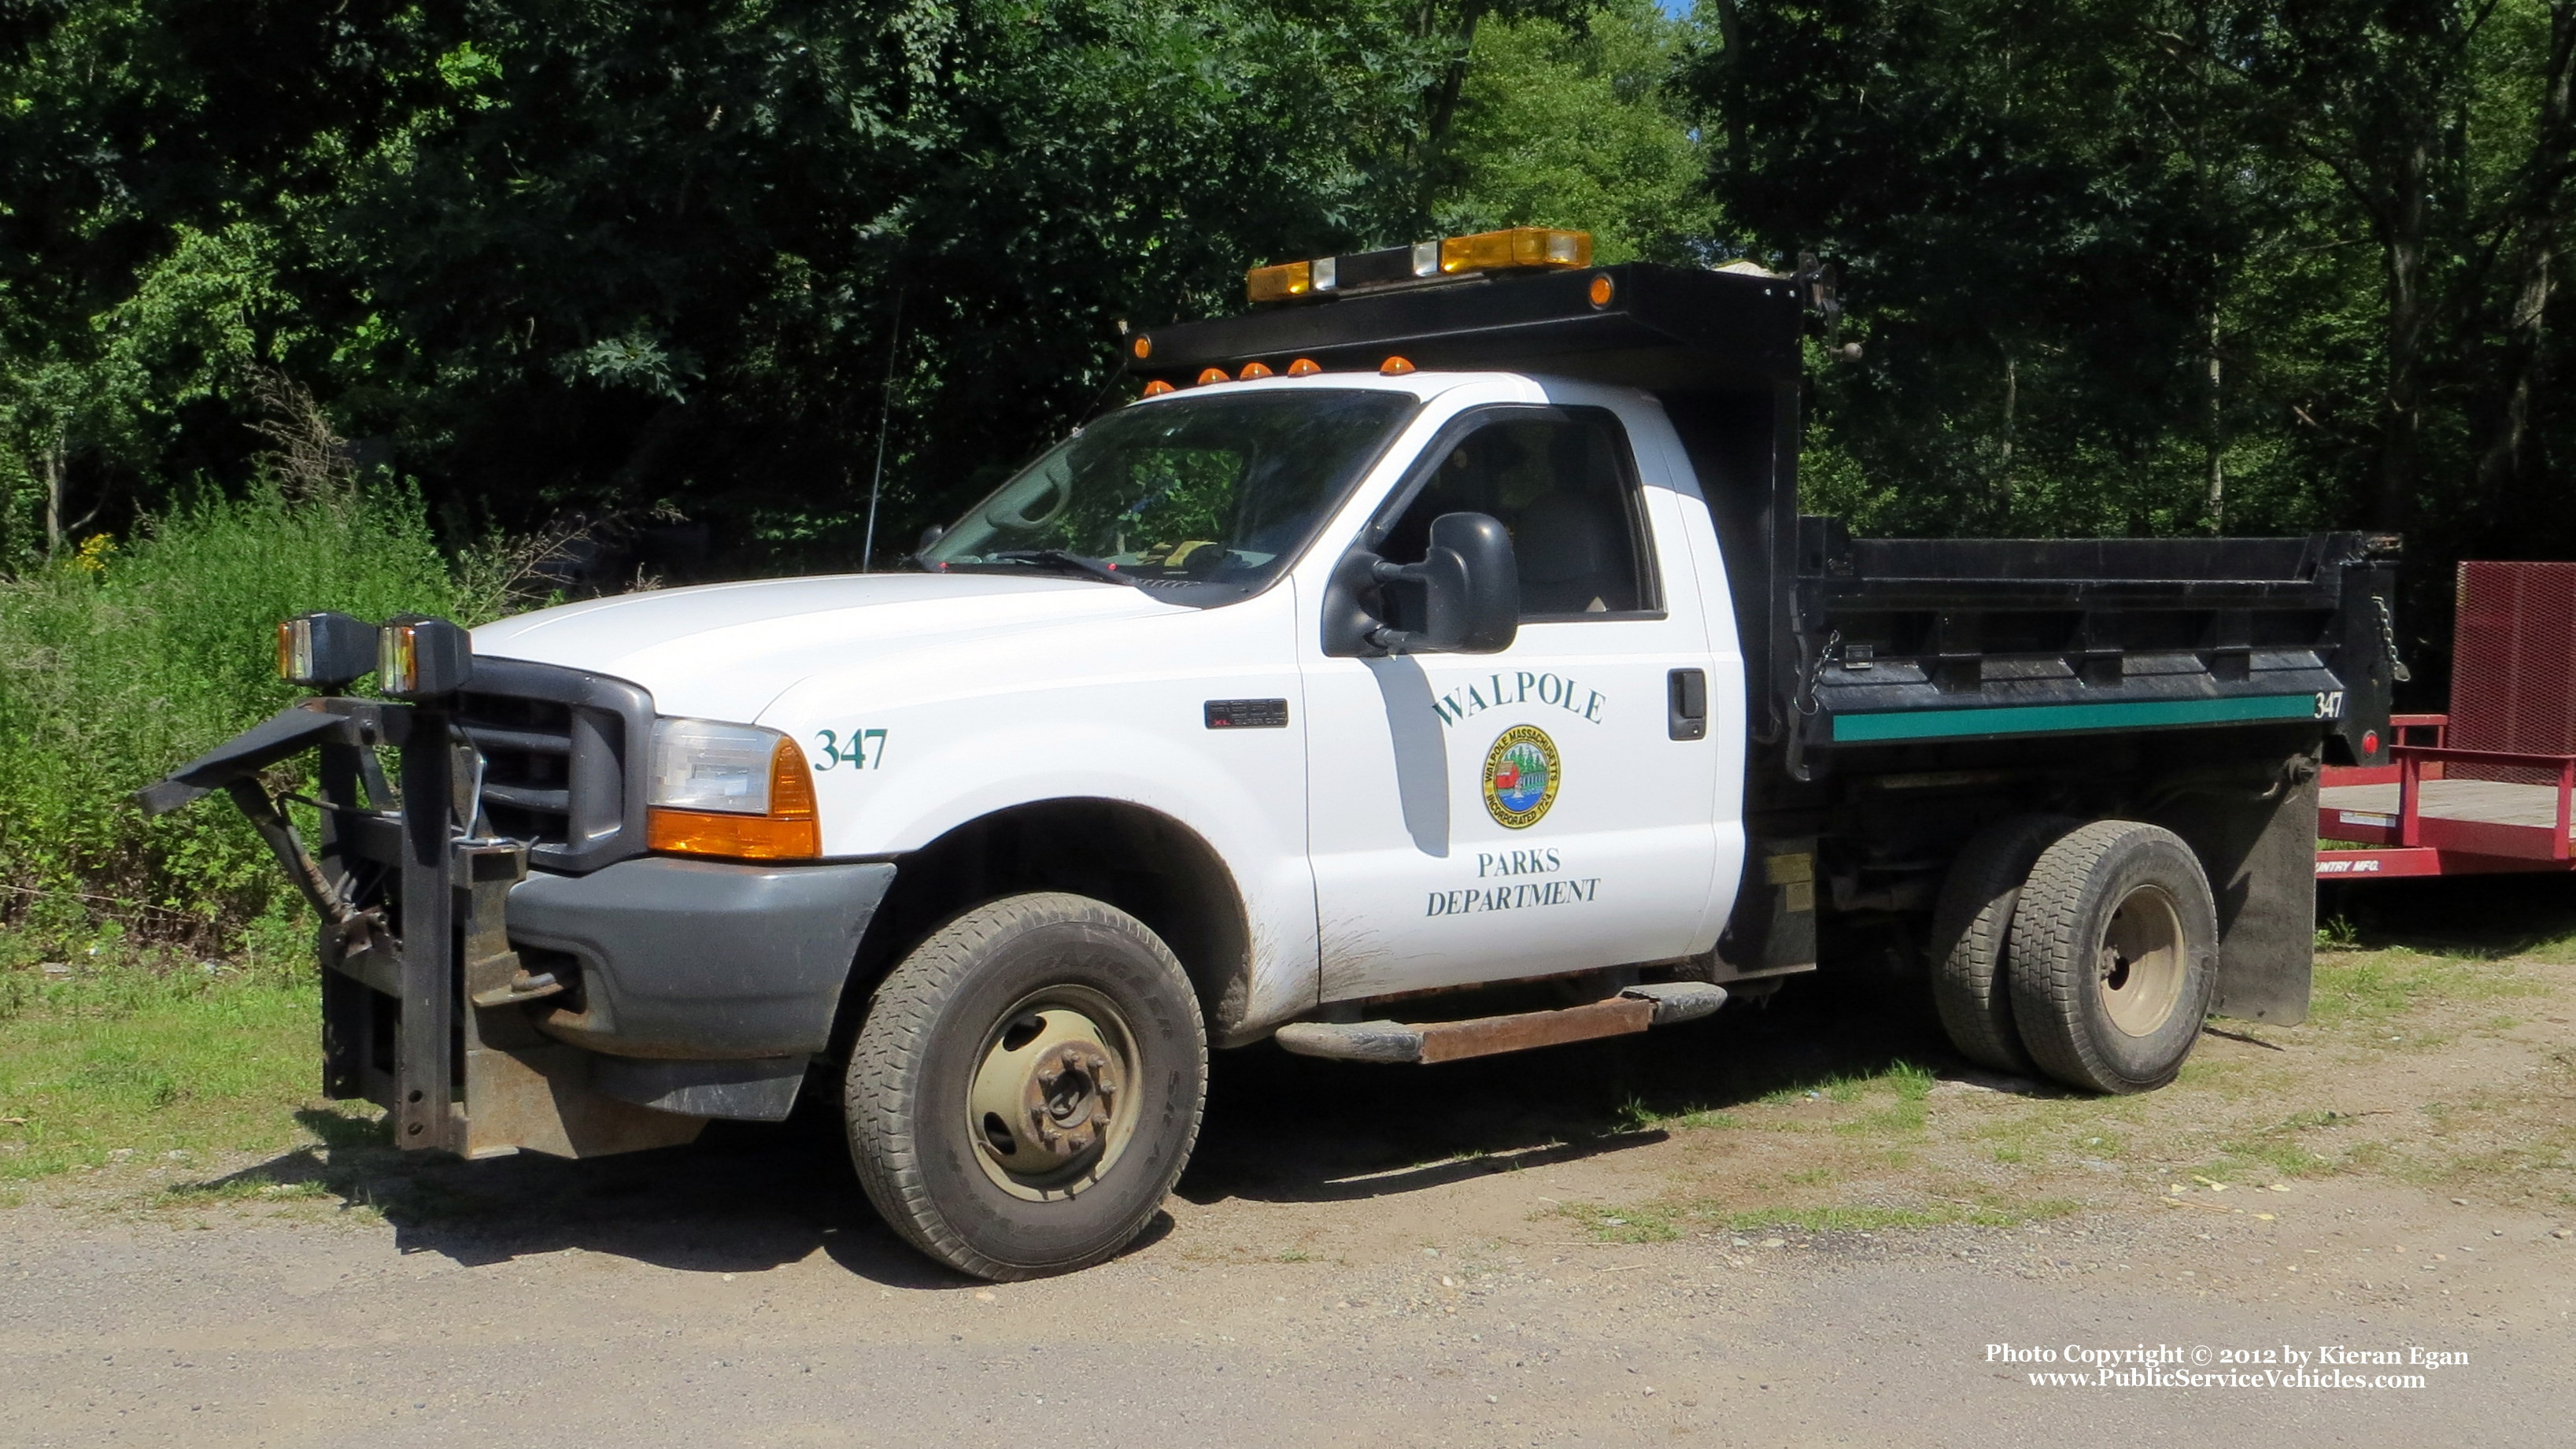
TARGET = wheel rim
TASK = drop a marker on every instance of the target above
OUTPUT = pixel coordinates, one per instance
(2139, 966)
(1053, 1102)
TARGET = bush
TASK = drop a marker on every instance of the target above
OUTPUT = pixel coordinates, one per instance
(120, 662)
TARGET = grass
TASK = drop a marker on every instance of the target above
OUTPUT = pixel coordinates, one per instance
(142, 1057)
(2358, 988)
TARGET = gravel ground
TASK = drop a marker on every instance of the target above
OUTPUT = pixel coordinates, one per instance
(1438, 1257)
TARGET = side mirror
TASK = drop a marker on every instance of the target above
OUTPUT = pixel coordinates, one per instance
(1470, 590)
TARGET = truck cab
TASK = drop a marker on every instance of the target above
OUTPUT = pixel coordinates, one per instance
(1429, 663)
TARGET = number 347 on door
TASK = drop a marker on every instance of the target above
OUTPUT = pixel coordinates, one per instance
(863, 750)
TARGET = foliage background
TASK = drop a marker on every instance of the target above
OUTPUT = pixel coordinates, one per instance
(591, 288)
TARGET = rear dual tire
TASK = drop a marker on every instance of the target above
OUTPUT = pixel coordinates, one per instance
(1971, 941)
(2114, 957)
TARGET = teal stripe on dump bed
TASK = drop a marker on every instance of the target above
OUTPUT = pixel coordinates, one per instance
(2031, 719)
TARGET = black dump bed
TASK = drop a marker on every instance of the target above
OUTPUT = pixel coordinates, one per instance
(1938, 639)
(1857, 645)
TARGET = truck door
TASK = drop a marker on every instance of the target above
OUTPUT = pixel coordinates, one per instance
(1549, 808)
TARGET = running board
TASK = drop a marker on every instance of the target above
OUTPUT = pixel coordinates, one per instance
(1633, 1010)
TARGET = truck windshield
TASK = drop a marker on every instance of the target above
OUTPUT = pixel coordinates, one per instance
(1209, 494)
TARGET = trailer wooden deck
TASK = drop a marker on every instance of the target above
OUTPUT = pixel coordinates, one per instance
(2428, 821)
(2491, 785)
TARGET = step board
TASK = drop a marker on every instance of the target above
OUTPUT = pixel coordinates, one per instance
(1633, 1010)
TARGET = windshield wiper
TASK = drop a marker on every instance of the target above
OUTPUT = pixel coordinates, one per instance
(1062, 558)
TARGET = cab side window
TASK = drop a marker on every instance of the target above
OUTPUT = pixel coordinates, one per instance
(1563, 486)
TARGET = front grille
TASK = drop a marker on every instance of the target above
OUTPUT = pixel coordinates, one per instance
(558, 748)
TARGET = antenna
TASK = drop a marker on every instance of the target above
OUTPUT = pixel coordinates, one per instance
(885, 411)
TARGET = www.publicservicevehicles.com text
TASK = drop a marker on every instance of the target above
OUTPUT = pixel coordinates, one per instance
(2206, 1366)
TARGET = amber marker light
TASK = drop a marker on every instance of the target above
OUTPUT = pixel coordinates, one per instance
(1143, 347)
(1603, 290)
(1279, 283)
(1157, 388)
(1304, 367)
(1213, 374)
(1520, 246)
(1395, 367)
(1252, 370)
(780, 826)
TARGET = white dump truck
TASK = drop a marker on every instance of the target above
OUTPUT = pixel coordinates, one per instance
(1431, 662)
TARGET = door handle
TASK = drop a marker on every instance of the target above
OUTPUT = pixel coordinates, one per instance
(1686, 692)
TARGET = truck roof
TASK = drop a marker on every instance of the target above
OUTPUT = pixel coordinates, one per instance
(1655, 327)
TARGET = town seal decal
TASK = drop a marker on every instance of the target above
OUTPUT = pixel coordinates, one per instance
(1521, 775)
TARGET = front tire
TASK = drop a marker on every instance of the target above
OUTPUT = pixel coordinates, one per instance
(1026, 1087)
(2114, 957)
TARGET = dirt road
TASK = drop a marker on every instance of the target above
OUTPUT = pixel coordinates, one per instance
(1766, 1230)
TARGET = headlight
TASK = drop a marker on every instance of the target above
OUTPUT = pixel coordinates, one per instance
(731, 790)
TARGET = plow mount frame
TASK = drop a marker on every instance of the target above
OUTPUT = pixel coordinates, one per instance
(427, 1009)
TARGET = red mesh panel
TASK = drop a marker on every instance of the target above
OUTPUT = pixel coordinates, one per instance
(2513, 665)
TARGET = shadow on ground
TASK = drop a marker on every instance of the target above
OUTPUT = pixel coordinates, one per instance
(2482, 916)
(1279, 1128)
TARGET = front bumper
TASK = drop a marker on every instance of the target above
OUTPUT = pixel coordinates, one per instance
(701, 960)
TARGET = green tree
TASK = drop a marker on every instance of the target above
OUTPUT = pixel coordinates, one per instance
(1578, 127)
(2185, 264)
(558, 256)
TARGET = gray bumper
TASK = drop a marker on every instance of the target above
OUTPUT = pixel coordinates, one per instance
(701, 960)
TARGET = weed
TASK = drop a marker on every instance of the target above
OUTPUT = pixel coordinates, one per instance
(109, 676)
(1705, 1120)
(1904, 1118)
(1644, 1224)
(244, 1187)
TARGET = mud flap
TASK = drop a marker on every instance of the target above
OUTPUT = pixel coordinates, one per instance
(2260, 852)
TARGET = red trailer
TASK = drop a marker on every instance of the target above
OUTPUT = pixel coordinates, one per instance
(2491, 786)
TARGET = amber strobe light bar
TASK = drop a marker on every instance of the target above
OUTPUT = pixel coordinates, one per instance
(1489, 251)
